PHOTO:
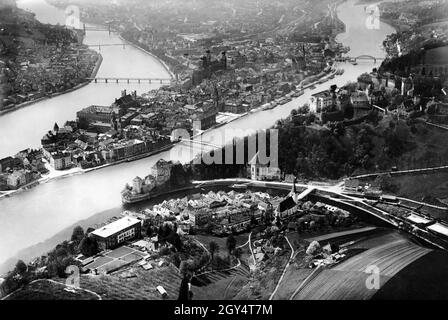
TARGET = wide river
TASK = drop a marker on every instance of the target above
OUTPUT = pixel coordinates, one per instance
(36, 215)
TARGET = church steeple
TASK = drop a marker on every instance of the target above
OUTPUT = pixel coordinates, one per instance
(293, 192)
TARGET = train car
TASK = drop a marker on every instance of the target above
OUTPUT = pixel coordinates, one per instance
(372, 194)
(389, 198)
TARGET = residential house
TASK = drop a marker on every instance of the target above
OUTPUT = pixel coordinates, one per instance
(320, 100)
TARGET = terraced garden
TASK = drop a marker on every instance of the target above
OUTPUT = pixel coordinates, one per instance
(142, 286)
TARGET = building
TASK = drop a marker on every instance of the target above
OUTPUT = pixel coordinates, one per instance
(198, 217)
(360, 103)
(260, 171)
(235, 107)
(286, 207)
(126, 101)
(204, 116)
(162, 171)
(320, 100)
(16, 179)
(91, 114)
(434, 62)
(60, 160)
(124, 150)
(7, 162)
(117, 232)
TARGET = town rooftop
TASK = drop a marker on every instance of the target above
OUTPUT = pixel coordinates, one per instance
(115, 226)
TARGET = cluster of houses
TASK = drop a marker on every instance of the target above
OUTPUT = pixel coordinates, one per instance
(40, 69)
(216, 212)
(102, 134)
(248, 74)
(22, 169)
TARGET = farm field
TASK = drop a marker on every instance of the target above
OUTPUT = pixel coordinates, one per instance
(293, 277)
(419, 280)
(348, 279)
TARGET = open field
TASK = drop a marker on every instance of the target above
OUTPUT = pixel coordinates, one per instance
(221, 285)
(293, 277)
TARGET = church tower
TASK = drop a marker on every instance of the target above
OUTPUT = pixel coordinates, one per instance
(293, 194)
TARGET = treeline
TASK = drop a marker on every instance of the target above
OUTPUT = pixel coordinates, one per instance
(330, 152)
(340, 150)
(227, 162)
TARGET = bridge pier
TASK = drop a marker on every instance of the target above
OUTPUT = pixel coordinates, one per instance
(95, 80)
(138, 80)
(160, 81)
(105, 80)
(149, 80)
(128, 80)
(116, 80)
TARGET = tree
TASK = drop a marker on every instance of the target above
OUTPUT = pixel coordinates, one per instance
(213, 247)
(313, 249)
(186, 267)
(230, 243)
(88, 246)
(89, 230)
(386, 184)
(237, 253)
(174, 239)
(78, 234)
(21, 267)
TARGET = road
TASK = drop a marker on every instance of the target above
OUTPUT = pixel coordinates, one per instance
(284, 270)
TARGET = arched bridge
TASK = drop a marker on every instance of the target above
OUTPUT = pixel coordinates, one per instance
(360, 57)
(367, 57)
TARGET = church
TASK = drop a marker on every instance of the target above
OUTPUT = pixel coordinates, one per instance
(261, 171)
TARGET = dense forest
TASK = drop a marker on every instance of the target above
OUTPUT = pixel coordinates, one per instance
(312, 152)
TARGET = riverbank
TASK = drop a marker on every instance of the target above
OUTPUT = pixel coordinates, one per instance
(55, 94)
(54, 174)
(40, 213)
(75, 171)
(137, 46)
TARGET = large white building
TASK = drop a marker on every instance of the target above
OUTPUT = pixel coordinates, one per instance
(117, 232)
(320, 100)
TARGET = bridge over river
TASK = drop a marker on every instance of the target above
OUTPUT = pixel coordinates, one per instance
(360, 57)
(130, 79)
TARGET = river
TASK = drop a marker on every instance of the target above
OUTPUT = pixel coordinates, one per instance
(38, 214)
